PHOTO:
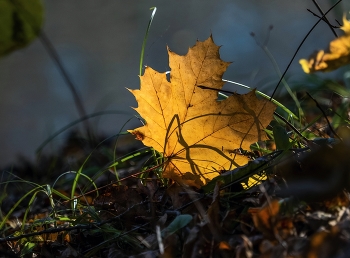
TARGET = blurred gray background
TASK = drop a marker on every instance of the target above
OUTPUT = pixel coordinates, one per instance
(100, 44)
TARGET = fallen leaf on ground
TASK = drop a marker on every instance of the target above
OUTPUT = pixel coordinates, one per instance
(196, 133)
(337, 55)
(265, 217)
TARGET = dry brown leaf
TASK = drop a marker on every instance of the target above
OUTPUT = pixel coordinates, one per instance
(337, 55)
(194, 131)
(270, 223)
(328, 243)
(264, 217)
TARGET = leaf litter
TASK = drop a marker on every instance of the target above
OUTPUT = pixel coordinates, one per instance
(291, 213)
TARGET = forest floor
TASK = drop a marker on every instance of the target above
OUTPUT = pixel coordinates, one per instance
(143, 215)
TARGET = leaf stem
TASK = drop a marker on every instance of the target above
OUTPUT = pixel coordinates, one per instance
(77, 100)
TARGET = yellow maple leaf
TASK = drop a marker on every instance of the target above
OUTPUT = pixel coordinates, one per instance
(337, 55)
(195, 132)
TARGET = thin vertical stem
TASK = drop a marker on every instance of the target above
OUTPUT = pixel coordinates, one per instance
(77, 100)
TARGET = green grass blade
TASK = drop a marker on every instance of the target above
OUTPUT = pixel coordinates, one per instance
(280, 136)
(32, 199)
(131, 156)
(284, 82)
(145, 38)
(3, 222)
(80, 170)
(115, 149)
(110, 112)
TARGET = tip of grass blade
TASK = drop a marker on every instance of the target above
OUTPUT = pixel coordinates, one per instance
(145, 38)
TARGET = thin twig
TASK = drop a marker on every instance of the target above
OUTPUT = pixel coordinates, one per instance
(302, 42)
(92, 225)
(325, 17)
(324, 114)
(314, 14)
(291, 126)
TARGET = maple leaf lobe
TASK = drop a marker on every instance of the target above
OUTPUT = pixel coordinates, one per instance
(138, 135)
